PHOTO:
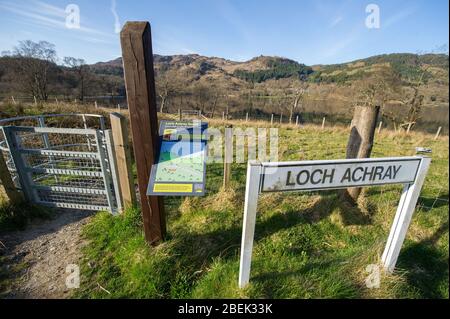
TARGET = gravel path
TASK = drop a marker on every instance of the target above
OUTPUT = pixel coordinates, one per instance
(36, 259)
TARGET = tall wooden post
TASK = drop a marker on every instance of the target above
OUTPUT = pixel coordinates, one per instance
(323, 123)
(296, 120)
(438, 132)
(228, 156)
(360, 142)
(271, 119)
(123, 158)
(137, 55)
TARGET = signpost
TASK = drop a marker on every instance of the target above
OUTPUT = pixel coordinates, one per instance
(334, 174)
(181, 167)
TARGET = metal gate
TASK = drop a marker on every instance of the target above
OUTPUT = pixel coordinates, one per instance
(61, 167)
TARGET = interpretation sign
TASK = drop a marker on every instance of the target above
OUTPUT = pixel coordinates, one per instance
(334, 174)
(181, 167)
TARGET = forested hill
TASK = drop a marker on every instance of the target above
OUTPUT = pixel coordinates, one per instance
(207, 80)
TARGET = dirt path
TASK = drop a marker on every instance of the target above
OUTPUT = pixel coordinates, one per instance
(36, 259)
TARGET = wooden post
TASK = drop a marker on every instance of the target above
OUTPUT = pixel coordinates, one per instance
(223, 116)
(228, 156)
(296, 120)
(15, 197)
(360, 142)
(395, 127)
(438, 132)
(323, 123)
(271, 119)
(123, 159)
(137, 55)
(379, 127)
(118, 107)
(96, 105)
(246, 117)
(180, 117)
(281, 118)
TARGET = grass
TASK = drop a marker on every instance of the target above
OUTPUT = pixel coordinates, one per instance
(307, 245)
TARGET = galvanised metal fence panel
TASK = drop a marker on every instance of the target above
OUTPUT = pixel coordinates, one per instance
(60, 167)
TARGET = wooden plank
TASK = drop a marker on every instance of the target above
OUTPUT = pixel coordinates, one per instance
(137, 55)
(13, 194)
(123, 158)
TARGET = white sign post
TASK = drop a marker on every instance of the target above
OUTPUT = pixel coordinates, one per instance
(334, 174)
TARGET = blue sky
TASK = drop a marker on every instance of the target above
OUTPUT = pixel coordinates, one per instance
(308, 31)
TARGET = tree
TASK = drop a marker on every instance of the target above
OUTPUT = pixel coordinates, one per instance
(299, 95)
(82, 71)
(36, 60)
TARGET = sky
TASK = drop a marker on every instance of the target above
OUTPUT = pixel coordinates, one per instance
(308, 31)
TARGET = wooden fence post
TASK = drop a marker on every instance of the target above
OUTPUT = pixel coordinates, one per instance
(123, 159)
(360, 142)
(271, 119)
(137, 55)
(296, 120)
(379, 127)
(223, 116)
(95, 104)
(228, 156)
(438, 132)
(281, 118)
(246, 117)
(15, 197)
(323, 123)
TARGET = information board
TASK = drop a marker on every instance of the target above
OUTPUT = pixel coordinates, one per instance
(181, 166)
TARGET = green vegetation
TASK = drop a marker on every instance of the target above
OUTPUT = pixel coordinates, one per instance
(277, 69)
(307, 245)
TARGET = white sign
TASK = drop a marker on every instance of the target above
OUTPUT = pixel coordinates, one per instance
(314, 175)
(318, 175)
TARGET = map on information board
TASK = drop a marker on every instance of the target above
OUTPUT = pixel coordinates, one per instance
(181, 165)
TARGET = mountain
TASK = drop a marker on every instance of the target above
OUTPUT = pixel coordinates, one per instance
(262, 85)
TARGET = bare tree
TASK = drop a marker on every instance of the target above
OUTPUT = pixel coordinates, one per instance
(299, 95)
(82, 71)
(35, 59)
(163, 89)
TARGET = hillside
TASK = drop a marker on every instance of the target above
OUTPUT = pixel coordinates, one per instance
(263, 85)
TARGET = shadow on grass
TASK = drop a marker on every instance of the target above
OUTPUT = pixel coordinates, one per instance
(425, 262)
(430, 203)
(351, 214)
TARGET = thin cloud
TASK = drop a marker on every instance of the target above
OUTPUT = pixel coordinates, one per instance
(232, 16)
(336, 21)
(44, 14)
(116, 16)
(397, 17)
